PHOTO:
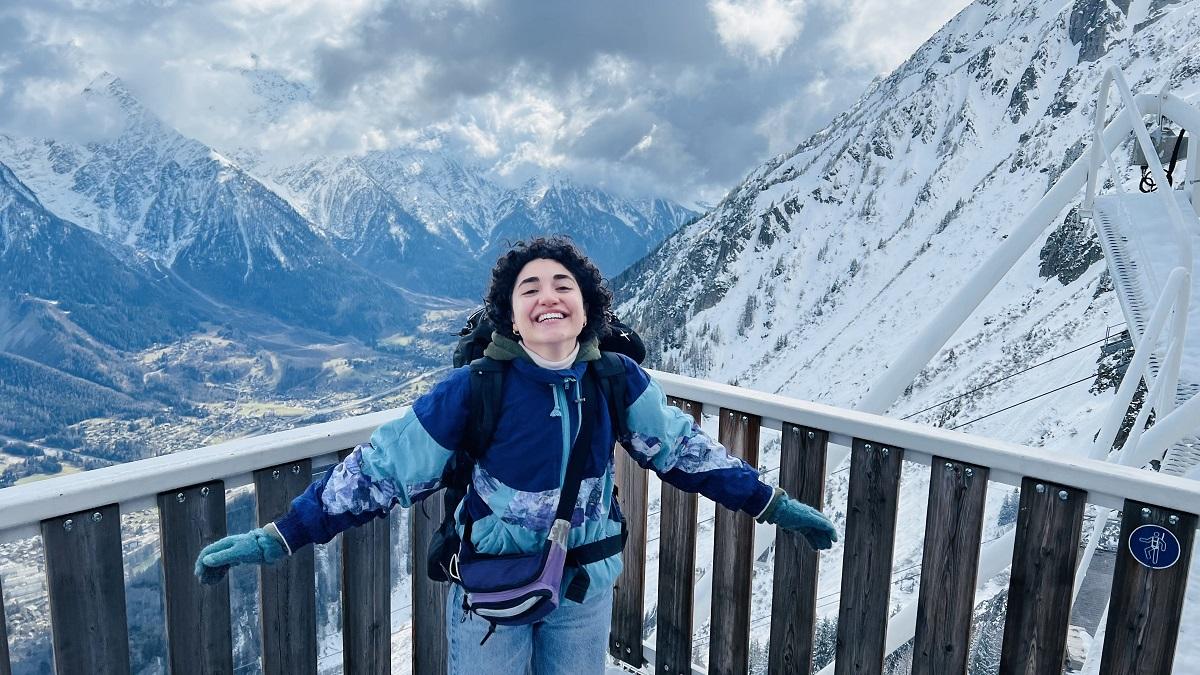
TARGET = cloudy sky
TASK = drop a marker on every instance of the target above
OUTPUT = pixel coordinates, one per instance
(679, 98)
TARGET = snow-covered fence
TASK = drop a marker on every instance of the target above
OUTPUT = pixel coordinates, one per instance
(77, 517)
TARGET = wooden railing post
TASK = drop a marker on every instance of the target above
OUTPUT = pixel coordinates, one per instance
(1043, 574)
(733, 560)
(949, 565)
(676, 571)
(367, 598)
(199, 638)
(794, 598)
(5, 667)
(625, 637)
(1153, 556)
(87, 592)
(428, 596)
(867, 562)
(287, 589)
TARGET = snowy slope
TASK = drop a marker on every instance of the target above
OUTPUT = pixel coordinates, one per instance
(815, 272)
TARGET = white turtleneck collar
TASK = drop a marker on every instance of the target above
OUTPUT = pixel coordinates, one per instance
(552, 365)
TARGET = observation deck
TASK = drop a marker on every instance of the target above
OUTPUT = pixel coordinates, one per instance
(77, 521)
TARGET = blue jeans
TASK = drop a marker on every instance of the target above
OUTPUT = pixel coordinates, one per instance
(571, 640)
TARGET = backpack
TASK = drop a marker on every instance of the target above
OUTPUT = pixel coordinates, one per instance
(476, 335)
(487, 381)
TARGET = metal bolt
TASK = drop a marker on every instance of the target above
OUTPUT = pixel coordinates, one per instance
(628, 650)
(1062, 494)
(867, 447)
(68, 524)
(203, 492)
(97, 516)
(811, 435)
(886, 451)
(949, 466)
(1146, 513)
(1173, 519)
(180, 498)
(667, 667)
(296, 469)
(969, 472)
(1040, 488)
(744, 418)
(275, 474)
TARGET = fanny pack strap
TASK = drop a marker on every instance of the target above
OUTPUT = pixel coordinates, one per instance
(580, 450)
(590, 553)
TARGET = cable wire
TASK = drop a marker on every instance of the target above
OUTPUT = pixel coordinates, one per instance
(1031, 398)
(1011, 375)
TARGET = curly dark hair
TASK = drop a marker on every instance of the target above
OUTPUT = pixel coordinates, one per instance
(596, 296)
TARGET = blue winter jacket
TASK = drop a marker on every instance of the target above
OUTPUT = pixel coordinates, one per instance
(514, 491)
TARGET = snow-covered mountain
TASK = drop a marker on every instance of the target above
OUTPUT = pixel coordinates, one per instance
(825, 259)
(814, 273)
(200, 215)
(71, 302)
(433, 223)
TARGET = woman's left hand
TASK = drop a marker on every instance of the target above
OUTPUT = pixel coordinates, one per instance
(797, 516)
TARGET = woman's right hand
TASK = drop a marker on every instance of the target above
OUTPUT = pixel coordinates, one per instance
(255, 547)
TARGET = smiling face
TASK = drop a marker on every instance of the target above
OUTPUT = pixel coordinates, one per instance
(548, 309)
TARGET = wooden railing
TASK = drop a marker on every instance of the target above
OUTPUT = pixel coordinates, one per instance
(77, 519)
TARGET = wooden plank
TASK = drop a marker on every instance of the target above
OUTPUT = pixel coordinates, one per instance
(733, 560)
(87, 592)
(5, 668)
(1146, 603)
(676, 571)
(199, 638)
(428, 596)
(867, 562)
(625, 636)
(949, 567)
(794, 599)
(367, 598)
(1043, 574)
(287, 592)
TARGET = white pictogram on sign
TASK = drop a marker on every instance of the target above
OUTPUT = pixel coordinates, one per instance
(1155, 544)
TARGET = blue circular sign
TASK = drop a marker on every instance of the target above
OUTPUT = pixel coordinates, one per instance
(1154, 546)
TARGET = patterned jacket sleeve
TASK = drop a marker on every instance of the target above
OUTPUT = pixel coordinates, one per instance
(402, 464)
(665, 440)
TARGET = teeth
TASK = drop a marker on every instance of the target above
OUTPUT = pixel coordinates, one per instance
(549, 315)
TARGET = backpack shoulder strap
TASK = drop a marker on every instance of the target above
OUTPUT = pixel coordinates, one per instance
(487, 382)
(610, 372)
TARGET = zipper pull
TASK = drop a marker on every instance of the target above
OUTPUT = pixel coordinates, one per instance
(557, 411)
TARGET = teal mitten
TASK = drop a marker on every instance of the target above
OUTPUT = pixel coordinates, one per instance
(256, 547)
(800, 517)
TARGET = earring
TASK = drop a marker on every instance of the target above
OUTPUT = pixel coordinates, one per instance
(515, 331)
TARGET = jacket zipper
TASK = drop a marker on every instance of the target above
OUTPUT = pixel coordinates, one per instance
(561, 403)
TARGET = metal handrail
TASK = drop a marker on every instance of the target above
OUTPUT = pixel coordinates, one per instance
(134, 485)
(1101, 153)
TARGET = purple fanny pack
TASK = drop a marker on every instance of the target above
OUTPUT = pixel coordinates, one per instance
(511, 590)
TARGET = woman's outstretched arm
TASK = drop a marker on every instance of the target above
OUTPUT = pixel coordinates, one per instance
(402, 464)
(665, 440)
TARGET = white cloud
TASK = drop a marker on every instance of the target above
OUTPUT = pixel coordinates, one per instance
(881, 34)
(522, 87)
(761, 28)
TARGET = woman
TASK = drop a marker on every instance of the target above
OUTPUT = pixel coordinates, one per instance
(548, 303)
